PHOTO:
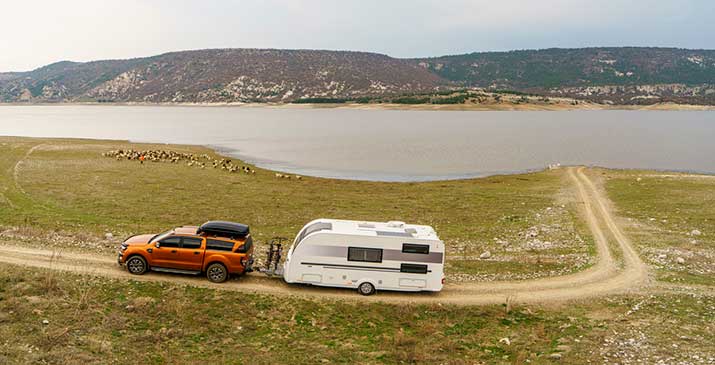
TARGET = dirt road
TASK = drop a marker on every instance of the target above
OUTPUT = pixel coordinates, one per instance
(607, 276)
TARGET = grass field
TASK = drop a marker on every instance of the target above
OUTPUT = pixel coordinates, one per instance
(100, 321)
(671, 218)
(65, 193)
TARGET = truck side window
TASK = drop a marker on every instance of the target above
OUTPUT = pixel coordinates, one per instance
(191, 242)
(219, 245)
(170, 242)
(415, 248)
(364, 254)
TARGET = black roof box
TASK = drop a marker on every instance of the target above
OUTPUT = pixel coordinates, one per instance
(224, 229)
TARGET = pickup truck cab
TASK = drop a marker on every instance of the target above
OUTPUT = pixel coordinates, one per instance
(215, 248)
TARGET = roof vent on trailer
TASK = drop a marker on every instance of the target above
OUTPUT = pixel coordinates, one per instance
(396, 224)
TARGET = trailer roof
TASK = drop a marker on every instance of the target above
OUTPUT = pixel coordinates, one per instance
(391, 229)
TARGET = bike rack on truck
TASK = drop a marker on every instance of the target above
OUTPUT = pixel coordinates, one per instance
(275, 252)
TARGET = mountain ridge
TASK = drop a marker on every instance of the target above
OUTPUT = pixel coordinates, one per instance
(608, 75)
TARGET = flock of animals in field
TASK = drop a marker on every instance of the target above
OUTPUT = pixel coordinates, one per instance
(286, 176)
(191, 159)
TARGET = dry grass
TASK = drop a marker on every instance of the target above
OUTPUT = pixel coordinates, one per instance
(661, 211)
(509, 304)
(49, 282)
(99, 321)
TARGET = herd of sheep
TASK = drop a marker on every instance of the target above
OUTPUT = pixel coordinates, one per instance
(191, 159)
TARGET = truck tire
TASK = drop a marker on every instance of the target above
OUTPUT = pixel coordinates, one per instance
(136, 265)
(216, 273)
(366, 288)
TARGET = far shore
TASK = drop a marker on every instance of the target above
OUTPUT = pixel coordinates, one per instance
(415, 107)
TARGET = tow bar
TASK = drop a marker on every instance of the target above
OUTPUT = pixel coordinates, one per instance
(275, 252)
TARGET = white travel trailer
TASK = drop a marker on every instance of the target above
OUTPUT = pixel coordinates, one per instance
(368, 256)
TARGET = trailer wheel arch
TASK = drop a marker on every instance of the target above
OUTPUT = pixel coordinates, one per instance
(367, 281)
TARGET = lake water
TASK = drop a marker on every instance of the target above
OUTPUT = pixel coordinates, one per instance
(395, 145)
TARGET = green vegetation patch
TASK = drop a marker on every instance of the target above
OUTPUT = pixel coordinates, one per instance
(320, 101)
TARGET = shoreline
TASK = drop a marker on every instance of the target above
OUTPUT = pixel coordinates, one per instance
(584, 106)
(274, 166)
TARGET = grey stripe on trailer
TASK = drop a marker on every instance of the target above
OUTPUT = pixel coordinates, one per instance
(387, 254)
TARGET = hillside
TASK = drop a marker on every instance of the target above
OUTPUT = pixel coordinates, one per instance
(621, 76)
(221, 75)
(616, 75)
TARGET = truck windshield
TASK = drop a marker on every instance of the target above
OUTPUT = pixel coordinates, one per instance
(161, 236)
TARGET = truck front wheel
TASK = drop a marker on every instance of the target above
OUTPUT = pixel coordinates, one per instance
(136, 265)
(217, 273)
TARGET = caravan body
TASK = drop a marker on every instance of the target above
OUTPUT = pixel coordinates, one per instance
(388, 256)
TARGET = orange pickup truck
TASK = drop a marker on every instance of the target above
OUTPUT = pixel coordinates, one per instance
(216, 248)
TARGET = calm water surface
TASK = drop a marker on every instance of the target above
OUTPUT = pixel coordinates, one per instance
(395, 145)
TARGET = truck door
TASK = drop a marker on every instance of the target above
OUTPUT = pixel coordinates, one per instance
(167, 253)
(191, 253)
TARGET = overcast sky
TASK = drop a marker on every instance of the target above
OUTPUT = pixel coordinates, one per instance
(35, 33)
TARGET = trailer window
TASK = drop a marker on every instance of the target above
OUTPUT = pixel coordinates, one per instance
(218, 245)
(413, 268)
(364, 254)
(315, 227)
(413, 248)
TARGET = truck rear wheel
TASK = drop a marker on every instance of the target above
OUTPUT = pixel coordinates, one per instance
(136, 265)
(366, 288)
(217, 273)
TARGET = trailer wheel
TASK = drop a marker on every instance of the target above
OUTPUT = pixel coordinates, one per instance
(217, 273)
(366, 288)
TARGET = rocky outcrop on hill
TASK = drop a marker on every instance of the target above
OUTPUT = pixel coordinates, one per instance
(224, 75)
(641, 94)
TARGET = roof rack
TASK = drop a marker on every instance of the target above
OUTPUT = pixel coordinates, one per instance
(224, 229)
